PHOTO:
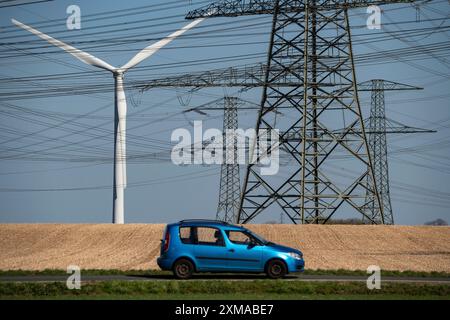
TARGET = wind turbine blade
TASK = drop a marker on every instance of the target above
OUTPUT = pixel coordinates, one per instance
(77, 53)
(150, 50)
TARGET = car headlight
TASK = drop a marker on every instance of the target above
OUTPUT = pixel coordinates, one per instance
(295, 255)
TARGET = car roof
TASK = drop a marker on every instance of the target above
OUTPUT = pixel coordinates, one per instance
(209, 223)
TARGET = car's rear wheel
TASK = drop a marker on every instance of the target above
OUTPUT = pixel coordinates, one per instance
(183, 269)
(276, 269)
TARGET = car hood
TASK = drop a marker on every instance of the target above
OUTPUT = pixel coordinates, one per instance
(281, 248)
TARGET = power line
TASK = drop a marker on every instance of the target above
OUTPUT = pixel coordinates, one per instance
(20, 4)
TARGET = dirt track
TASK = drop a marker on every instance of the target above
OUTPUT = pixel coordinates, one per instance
(46, 246)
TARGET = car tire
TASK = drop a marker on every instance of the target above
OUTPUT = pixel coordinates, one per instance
(276, 269)
(183, 269)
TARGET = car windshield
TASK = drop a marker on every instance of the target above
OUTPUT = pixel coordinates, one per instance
(259, 238)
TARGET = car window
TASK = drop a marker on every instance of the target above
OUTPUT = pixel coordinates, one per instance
(201, 236)
(187, 235)
(210, 236)
(258, 237)
(239, 237)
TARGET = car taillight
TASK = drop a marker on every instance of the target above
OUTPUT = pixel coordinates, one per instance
(166, 242)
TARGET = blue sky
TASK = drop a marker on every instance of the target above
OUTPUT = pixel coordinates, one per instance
(75, 132)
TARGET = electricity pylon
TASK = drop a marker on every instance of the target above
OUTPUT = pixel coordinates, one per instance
(310, 45)
(310, 71)
(378, 126)
(230, 186)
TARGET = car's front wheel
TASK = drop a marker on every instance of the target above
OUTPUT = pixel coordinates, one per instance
(183, 269)
(276, 269)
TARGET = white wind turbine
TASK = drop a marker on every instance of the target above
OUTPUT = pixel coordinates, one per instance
(120, 173)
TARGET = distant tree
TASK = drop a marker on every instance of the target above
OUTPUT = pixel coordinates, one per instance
(437, 222)
(331, 221)
(271, 222)
(349, 221)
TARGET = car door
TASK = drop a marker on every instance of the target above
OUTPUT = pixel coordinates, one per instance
(210, 250)
(244, 253)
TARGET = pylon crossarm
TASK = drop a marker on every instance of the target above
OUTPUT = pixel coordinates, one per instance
(233, 8)
(249, 76)
(385, 85)
(393, 126)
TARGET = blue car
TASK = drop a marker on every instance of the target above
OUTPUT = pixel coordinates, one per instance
(192, 246)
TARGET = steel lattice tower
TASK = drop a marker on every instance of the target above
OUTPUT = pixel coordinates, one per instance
(230, 188)
(311, 46)
(378, 148)
(377, 129)
(314, 47)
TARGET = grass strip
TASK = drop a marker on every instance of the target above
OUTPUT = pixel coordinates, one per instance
(339, 272)
(211, 289)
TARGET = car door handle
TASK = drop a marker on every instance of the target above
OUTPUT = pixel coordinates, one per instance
(231, 250)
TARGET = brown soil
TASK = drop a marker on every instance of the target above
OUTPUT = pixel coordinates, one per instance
(136, 246)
